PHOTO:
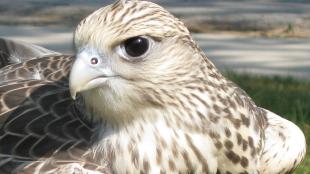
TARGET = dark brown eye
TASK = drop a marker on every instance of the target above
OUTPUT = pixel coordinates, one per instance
(136, 46)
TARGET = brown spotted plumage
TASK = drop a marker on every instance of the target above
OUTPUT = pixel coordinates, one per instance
(147, 100)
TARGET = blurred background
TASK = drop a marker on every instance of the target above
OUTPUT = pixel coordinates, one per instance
(262, 45)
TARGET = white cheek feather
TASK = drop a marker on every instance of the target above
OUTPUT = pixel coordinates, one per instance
(116, 102)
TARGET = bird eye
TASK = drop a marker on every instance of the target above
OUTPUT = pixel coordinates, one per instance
(135, 48)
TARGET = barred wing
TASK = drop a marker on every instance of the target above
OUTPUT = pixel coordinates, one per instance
(41, 129)
(12, 52)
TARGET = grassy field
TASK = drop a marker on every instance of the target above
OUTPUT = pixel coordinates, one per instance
(285, 96)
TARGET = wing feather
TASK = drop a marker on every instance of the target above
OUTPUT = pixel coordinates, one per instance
(41, 128)
(12, 52)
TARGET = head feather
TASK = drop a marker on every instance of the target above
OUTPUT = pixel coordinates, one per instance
(173, 63)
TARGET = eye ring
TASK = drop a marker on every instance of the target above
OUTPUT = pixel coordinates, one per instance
(135, 48)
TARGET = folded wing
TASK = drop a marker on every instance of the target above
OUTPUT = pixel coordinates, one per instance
(41, 129)
(16, 51)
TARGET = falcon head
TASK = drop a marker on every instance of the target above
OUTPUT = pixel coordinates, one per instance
(133, 56)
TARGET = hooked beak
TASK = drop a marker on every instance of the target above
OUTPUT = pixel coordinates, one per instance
(84, 76)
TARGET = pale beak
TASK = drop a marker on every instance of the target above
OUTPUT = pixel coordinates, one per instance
(84, 77)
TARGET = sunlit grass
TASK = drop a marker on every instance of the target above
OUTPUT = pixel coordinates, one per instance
(287, 97)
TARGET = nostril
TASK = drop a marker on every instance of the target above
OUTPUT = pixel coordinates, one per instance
(94, 61)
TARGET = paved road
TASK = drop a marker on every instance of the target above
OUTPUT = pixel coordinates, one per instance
(286, 57)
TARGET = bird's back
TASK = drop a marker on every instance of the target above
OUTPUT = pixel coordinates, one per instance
(12, 52)
(40, 127)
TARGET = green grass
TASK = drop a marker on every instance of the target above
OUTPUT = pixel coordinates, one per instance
(287, 97)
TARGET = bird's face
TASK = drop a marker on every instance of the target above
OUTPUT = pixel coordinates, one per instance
(131, 55)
